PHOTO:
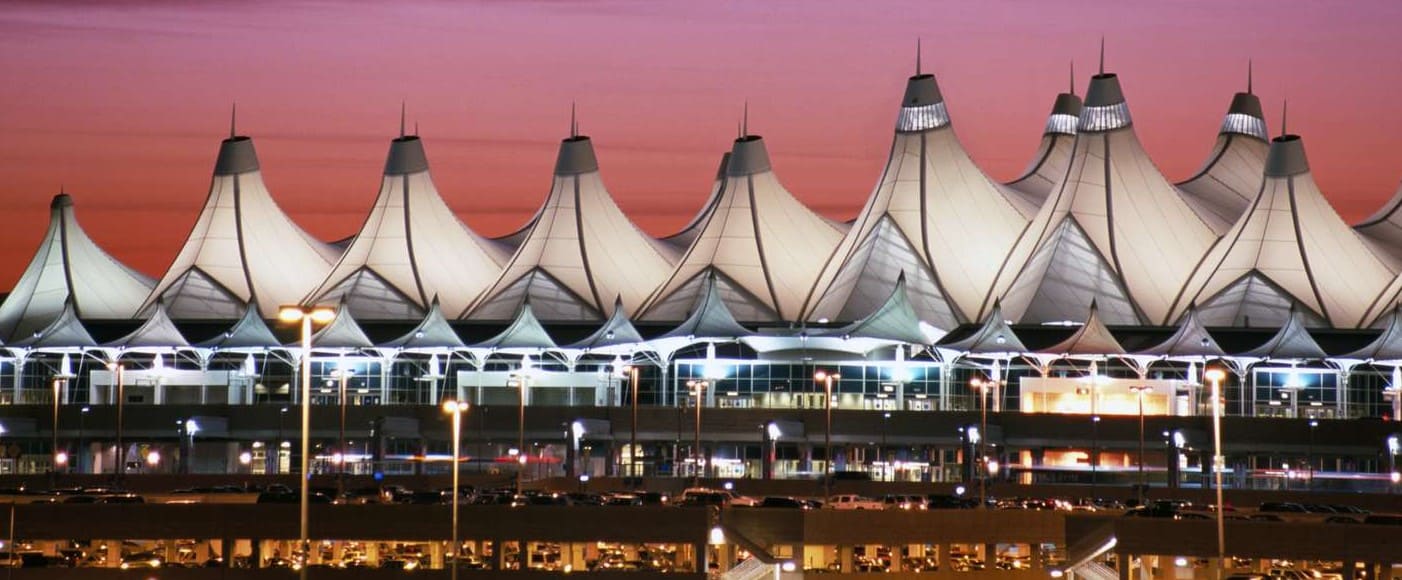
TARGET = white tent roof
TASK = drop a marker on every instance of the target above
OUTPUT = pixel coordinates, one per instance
(69, 264)
(994, 337)
(1388, 345)
(343, 332)
(1191, 339)
(242, 248)
(682, 240)
(895, 321)
(580, 251)
(64, 332)
(525, 334)
(1053, 155)
(709, 318)
(433, 332)
(1383, 231)
(1292, 341)
(250, 332)
(934, 217)
(617, 335)
(1230, 177)
(157, 332)
(764, 246)
(410, 249)
(1113, 230)
(1289, 248)
(1091, 339)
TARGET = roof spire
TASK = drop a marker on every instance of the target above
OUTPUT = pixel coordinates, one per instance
(1284, 114)
(233, 119)
(1248, 76)
(1073, 76)
(745, 120)
(917, 56)
(574, 124)
(416, 128)
(401, 118)
(1102, 54)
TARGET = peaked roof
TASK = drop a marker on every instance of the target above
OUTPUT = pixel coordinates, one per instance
(411, 248)
(1292, 341)
(1388, 345)
(616, 334)
(710, 317)
(69, 264)
(342, 332)
(762, 240)
(1222, 189)
(994, 337)
(583, 243)
(157, 332)
(1383, 231)
(242, 248)
(933, 217)
(895, 320)
(1113, 230)
(1289, 247)
(250, 332)
(1091, 339)
(433, 332)
(65, 331)
(524, 333)
(682, 240)
(1053, 154)
(1190, 340)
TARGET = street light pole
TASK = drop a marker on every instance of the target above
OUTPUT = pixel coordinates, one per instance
(827, 378)
(698, 389)
(1215, 376)
(1309, 457)
(343, 374)
(1094, 454)
(82, 451)
(58, 458)
(521, 435)
(306, 316)
(633, 426)
(982, 386)
(121, 451)
(456, 409)
(1143, 483)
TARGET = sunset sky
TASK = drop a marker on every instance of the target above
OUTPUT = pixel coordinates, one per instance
(123, 102)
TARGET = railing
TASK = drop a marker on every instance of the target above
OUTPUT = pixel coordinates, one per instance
(1096, 571)
(753, 569)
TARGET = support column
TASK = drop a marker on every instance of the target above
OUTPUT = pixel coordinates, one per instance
(255, 553)
(1122, 564)
(372, 554)
(435, 555)
(114, 553)
(844, 558)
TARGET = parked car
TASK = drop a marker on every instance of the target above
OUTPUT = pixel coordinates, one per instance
(775, 501)
(903, 502)
(721, 497)
(853, 502)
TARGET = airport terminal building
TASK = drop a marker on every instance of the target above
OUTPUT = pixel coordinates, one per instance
(1071, 325)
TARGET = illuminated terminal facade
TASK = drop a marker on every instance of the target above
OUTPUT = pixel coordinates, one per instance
(953, 308)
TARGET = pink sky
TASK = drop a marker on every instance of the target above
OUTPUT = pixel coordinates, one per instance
(123, 103)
